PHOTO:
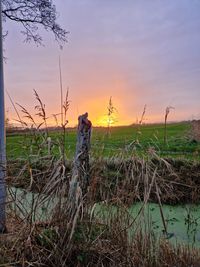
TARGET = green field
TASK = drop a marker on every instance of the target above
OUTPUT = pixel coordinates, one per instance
(127, 139)
(116, 212)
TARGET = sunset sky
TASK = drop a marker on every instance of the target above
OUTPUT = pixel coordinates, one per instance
(137, 51)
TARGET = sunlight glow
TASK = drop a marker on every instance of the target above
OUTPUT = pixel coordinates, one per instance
(105, 121)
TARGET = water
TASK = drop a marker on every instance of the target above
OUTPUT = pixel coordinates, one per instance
(31, 206)
(182, 221)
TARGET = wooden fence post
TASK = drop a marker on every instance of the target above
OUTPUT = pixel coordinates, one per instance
(80, 173)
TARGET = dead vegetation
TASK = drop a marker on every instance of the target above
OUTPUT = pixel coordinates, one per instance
(75, 236)
(79, 238)
(127, 180)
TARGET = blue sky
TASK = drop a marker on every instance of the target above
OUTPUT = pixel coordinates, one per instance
(139, 52)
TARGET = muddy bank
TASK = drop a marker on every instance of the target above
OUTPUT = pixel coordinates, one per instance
(178, 181)
(132, 180)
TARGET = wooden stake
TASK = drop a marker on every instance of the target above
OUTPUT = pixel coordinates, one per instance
(80, 174)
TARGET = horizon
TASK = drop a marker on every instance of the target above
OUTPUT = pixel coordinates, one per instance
(18, 125)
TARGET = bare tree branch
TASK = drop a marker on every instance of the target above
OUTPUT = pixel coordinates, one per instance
(33, 14)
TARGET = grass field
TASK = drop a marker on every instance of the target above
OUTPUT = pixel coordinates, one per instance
(82, 229)
(126, 138)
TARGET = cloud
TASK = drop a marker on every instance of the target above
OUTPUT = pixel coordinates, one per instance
(141, 52)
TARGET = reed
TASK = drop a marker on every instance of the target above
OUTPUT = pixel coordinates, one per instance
(43, 230)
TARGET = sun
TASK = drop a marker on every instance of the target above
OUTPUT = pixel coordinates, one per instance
(105, 121)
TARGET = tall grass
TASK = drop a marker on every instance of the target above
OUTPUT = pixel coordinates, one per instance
(87, 236)
(167, 111)
(111, 110)
(46, 230)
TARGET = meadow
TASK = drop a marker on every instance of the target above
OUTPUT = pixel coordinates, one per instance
(141, 207)
(125, 138)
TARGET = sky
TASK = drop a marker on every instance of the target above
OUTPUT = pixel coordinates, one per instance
(140, 52)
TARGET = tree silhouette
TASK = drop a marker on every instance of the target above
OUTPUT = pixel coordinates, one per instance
(33, 15)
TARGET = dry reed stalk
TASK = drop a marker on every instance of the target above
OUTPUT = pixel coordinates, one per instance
(111, 110)
(161, 211)
(167, 111)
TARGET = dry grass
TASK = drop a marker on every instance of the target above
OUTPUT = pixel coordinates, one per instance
(113, 179)
(78, 238)
(72, 235)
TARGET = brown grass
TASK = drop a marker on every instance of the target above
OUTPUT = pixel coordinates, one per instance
(77, 238)
(92, 244)
(72, 235)
(124, 180)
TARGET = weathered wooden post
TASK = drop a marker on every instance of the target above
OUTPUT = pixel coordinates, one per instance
(80, 174)
(2, 137)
